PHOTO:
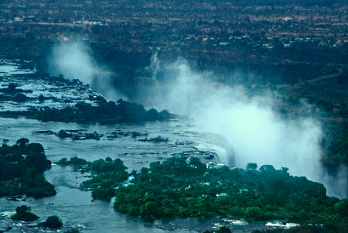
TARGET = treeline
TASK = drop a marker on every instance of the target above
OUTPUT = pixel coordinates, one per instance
(105, 113)
(21, 170)
(185, 187)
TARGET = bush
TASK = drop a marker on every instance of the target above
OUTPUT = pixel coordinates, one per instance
(342, 208)
(23, 214)
(52, 222)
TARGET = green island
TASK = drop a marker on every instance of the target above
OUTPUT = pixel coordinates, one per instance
(183, 187)
(22, 169)
(23, 213)
(52, 222)
(104, 113)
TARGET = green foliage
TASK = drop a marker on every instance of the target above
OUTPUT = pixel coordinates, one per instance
(22, 142)
(52, 222)
(106, 175)
(179, 165)
(183, 187)
(23, 214)
(342, 208)
(38, 161)
(105, 112)
(77, 163)
(251, 166)
(21, 170)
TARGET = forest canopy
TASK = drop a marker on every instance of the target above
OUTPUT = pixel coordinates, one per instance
(22, 167)
(183, 186)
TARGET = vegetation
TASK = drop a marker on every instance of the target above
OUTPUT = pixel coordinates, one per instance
(52, 222)
(106, 113)
(21, 170)
(75, 162)
(183, 187)
(23, 214)
(106, 175)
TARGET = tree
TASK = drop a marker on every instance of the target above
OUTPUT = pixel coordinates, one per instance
(23, 214)
(342, 208)
(52, 222)
(251, 166)
(39, 161)
(35, 148)
(108, 159)
(267, 168)
(22, 142)
(198, 165)
(144, 170)
(152, 114)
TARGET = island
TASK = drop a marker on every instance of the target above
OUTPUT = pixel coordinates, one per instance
(182, 186)
(22, 168)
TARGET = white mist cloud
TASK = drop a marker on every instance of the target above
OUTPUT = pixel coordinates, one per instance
(337, 186)
(256, 132)
(73, 60)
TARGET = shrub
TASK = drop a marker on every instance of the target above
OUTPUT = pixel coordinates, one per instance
(52, 222)
(23, 214)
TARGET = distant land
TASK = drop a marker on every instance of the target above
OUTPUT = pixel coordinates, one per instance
(280, 42)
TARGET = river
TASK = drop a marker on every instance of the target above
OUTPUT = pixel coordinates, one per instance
(74, 207)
